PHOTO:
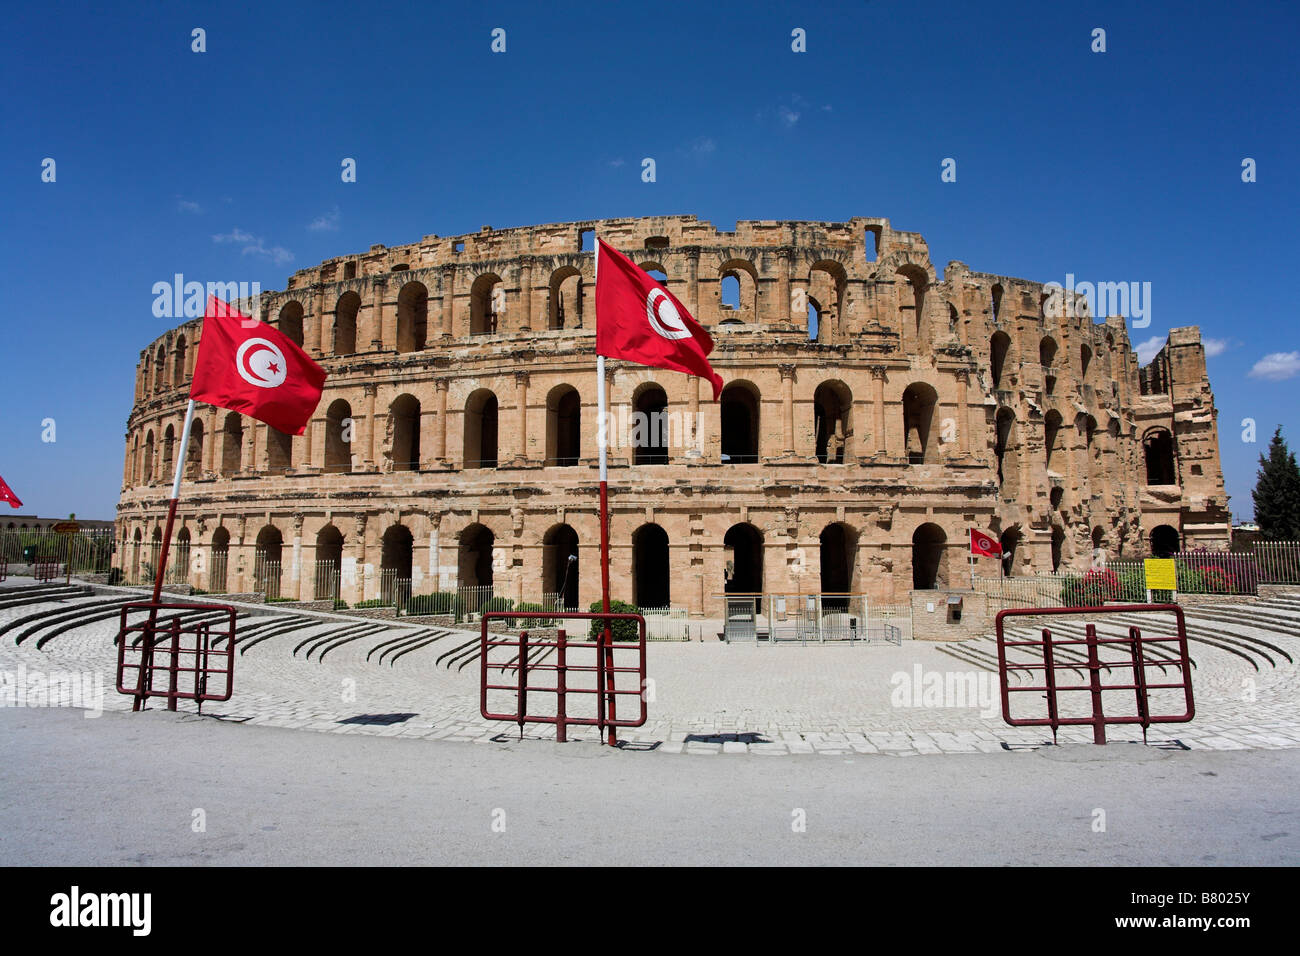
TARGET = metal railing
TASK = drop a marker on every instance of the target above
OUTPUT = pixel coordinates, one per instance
(266, 576)
(1278, 562)
(811, 618)
(394, 589)
(327, 581)
(217, 571)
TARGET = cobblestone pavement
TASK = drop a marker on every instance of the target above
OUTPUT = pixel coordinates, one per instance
(704, 698)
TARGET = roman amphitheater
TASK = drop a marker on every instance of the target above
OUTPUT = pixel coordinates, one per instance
(874, 411)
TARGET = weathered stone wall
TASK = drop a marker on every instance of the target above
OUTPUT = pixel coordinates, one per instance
(912, 370)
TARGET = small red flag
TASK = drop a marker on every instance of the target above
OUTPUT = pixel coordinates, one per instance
(982, 544)
(7, 494)
(248, 366)
(638, 320)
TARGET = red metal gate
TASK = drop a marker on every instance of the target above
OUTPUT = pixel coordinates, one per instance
(189, 647)
(1133, 655)
(558, 669)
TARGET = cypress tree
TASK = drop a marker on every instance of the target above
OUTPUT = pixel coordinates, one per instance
(1277, 492)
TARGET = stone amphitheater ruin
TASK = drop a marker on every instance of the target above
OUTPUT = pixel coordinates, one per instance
(874, 411)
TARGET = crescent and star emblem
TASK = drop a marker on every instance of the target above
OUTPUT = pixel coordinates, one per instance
(260, 363)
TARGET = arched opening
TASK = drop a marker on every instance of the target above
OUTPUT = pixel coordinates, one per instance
(1004, 441)
(651, 570)
(345, 323)
(220, 559)
(160, 370)
(560, 565)
(839, 549)
(1051, 432)
(738, 291)
(179, 371)
(1165, 541)
(563, 426)
(1098, 541)
(179, 572)
(814, 325)
(133, 465)
(413, 317)
(1010, 541)
(826, 283)
(404, 431)
(1058, 547)
(1047, 359)
(475, 557)
(729, 292)
(147, 467)
(649, 438)
(232, 445)
(929, 558)
(486, 302)
(329, 563)
(135, 570)
(155, 553)
(1085, 359)
(338, 437)
(194, 455)
(743, 552)
(740, 423)
(919, 401)
(279, 451)
(289, 321)
(168, 449)
(266, 562)
(1158, 451)
(481, 430)
(911, 302)
(395, 566)
(565, 305)
(832, 405)
(997, 301)
(999, 345)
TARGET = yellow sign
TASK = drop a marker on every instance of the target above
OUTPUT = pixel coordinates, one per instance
(1161, 575)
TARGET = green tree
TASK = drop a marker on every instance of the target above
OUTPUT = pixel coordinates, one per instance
(1277, 492)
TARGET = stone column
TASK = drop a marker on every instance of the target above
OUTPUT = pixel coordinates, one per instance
(211, 437)
(692, 280)
(526, 294)
(440, 431)
(521, 402)
(787, 408)
(363, 579)
(693, 427)
(783, 256)
(962, 417)
(377, 314)
(318, 322)
(448, 300)
(295, 569)
(878, 400)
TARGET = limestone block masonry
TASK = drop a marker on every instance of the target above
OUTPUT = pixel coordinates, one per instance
(874, 411)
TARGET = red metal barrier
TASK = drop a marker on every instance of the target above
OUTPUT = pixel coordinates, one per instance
(1135, 657)
(192, 650)
(532, 661)
(45, 569)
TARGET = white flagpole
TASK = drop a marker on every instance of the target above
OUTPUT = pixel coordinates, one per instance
(606, 656)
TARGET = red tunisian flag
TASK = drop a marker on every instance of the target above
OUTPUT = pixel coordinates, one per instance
(248, 366)
(7, 494)
(982, 544)
(639, 320)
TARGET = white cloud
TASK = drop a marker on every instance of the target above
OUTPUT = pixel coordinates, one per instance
(188, 205)
(703, 147)
(1214, 347)
(326, 223)
(616, 162)
(1277, 366)
(787, 116)
(1147, 350)
(255, 246)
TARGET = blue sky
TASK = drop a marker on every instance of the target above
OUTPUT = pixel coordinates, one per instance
(224, 165)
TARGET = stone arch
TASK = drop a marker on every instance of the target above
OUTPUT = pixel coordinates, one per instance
(404, 433)
(999, 347)
(329, 563)
(1051, 432)
(996, 295)
(929, 557)
(481, 429)
(289, 321)
(832, 421)
(268, 553)
(485, 304)
(413, 317)
(651, 567)
(338, 437)
(160, 370)
(1165, 541)
(1085, 360)
(1010, 540)
(474, 556)
(919, 403)
(1005, 441)
(743, 553)
(345, 323)
(194, 454)
(148, 467)
(279, 451)
(180, 563)
(563, 426)
(911, 302)
(650, 425)
(168, 453)
(218, 565)
(565, 301)
(740, 418)
(180, 372)
(737, 291)
(396, 559)
(827, 281)
(1047, 359)
(560, 563)
(1058, 547)
(839, 549)
(232, 445)
(1158, 457)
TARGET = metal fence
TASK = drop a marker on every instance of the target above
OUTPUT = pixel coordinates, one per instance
(811, 618)
(666, 623)
(266, 576)
(86, 552)
(1277, 562)
(328, 581)
(217, 571)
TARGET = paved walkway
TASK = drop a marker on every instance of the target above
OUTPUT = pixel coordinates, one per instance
(705, 698)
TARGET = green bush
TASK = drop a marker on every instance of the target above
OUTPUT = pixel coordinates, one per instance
(621, 630)
(532, 621)
(497, 604)
(279, 600)
(1132, 587)
(340, 604)
(373, 602)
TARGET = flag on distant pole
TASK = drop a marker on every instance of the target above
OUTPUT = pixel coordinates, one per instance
(640, 321)
(984, 546)
(7, 494)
